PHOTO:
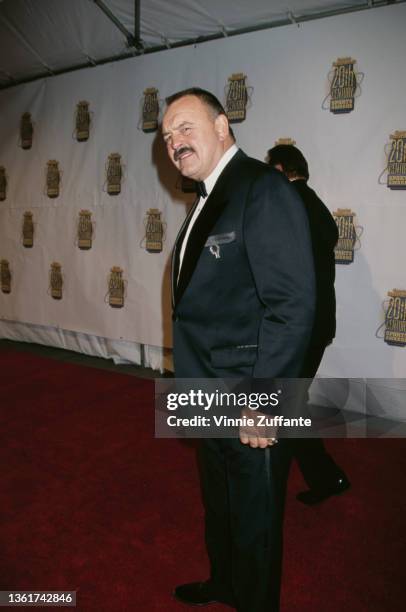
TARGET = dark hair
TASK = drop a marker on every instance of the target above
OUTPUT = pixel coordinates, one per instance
(205, 96)
(291, 159)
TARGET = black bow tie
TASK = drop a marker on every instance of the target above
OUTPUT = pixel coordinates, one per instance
(201, 189)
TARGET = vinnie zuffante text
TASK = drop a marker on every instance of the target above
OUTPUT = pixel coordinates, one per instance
(219, 400)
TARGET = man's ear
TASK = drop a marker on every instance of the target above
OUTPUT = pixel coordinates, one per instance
(221, 127)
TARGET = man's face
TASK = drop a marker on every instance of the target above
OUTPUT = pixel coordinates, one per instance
(194, 137)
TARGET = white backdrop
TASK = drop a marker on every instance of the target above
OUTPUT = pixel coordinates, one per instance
(287, 68)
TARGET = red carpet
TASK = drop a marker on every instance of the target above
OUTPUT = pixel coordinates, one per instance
(90, 501)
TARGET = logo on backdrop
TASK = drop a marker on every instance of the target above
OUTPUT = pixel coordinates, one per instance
(85, 230)
(5, 276)
(150, 110)
(347, 235)
(236, 98)
(343, 85)
(26, 131)
(397, 161)
(116, 287)
(56, 280)
(82, 121)
(3, 184)
(28, 230)
(114, 174)
(395, 318)
(285, 141)
(154, 231)
(53, 178)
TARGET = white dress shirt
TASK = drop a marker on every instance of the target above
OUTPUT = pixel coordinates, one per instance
(209, 184)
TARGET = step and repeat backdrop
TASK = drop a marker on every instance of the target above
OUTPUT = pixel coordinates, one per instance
(90, 205)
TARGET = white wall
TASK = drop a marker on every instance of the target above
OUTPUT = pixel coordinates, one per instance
(287, 67)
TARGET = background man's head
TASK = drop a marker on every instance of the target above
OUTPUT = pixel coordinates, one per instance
(289, 160)
(196, 132)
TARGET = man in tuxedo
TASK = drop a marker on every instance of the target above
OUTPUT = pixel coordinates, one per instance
(243, 306)
(322, 475)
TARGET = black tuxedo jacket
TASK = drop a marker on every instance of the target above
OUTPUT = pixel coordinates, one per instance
(244, 301)
(324, 235)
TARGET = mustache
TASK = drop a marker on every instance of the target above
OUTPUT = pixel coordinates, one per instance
(180, 152)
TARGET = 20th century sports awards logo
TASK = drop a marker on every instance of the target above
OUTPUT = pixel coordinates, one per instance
(395, 318)
(344, 84)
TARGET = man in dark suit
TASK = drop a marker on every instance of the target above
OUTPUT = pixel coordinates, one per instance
(243, 306)
(322, 475)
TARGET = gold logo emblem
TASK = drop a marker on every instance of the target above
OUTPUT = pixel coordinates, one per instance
(116, 287)
(344, 250)
(26, 131)
(3, 184)
(53, 178)
(56, 280)
(154, 231)
(395, 318)
(285, 141)
(5, 276)
(114, 174)
(343, 86)
(236, 98)
(397, 161)
(28, 230)
(82, 121)
(85, 230)
(150, 110)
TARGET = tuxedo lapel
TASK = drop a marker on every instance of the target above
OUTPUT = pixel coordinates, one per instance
(202, 227)
(176, 250)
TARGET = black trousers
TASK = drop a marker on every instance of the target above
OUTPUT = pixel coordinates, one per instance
(244, 496)
(315, 464)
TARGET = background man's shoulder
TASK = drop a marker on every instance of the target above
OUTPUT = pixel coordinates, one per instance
(258, 169)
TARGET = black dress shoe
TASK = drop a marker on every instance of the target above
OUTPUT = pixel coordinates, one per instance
(199, 594)
(318, 494)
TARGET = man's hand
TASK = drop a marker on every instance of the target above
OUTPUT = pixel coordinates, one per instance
(257, 436)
